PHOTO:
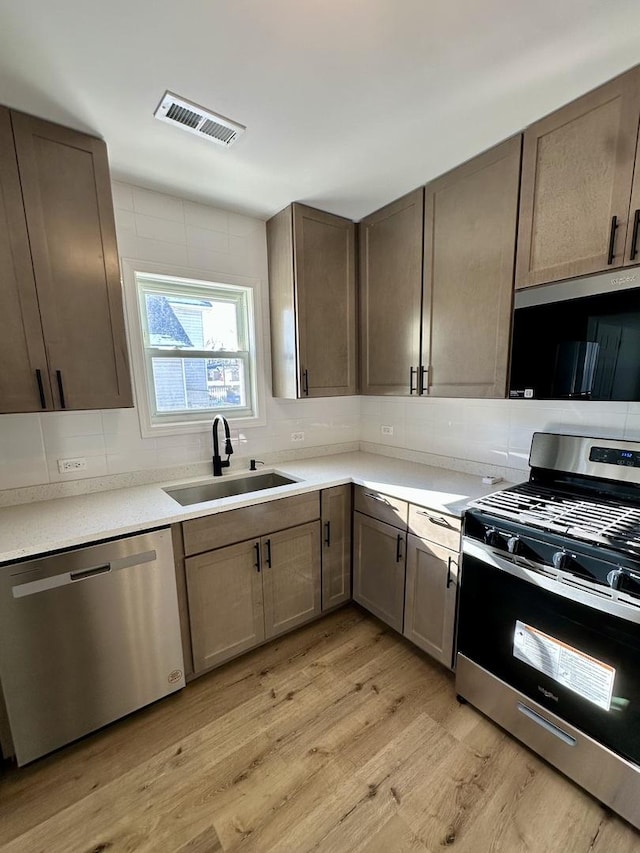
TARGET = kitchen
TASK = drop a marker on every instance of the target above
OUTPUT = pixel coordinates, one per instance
(179, 230)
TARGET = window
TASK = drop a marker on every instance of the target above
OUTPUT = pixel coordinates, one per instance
(197, 341)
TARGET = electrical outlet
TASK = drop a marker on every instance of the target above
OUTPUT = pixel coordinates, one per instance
(297, 436)
(65, 466)
(386, 430)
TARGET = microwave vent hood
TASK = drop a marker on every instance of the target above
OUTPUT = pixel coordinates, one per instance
(576, 288)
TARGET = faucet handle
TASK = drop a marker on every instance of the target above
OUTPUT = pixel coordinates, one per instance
(253, 463)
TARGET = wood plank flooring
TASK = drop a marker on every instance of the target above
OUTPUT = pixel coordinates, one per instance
(338, 738)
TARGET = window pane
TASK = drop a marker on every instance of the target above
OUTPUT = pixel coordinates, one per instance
(186, 384)
(192, 322)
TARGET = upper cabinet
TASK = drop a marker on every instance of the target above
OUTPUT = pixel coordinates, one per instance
(60, 274)
(391, 297)
(312, 295)
(469, 247)
(577, 173)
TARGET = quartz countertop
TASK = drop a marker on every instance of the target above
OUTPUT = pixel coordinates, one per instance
(37, 528)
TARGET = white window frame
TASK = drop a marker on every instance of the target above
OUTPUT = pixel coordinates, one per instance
(152, 425)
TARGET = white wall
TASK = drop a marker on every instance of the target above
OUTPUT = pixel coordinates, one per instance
(493, 432)
(167, 230)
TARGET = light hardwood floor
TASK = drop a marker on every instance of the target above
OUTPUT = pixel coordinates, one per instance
(339, 737)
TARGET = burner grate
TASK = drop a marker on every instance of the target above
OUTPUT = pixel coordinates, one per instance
(583, 518)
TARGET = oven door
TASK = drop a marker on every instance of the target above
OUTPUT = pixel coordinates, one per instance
(568, 649)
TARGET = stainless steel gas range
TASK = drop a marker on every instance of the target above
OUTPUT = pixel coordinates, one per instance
(549, 612)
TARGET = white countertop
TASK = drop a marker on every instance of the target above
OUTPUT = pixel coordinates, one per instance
(36, 528)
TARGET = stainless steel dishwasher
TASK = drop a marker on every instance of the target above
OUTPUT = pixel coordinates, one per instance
(86, 636)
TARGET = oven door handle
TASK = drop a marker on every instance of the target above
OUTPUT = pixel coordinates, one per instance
(603, 598)
(546, 724)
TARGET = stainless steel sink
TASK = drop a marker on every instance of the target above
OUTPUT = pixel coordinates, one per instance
(223, 488)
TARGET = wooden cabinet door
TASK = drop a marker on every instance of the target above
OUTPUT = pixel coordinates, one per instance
(312, 300)
(378, 568)
(291, 577)
(69, 212)
(470, 240)
(391, 296)
(632, 243)
(336, 546)
(430, 598)
(225, 603)
(22, 351)
(325, 272)
(577, 167)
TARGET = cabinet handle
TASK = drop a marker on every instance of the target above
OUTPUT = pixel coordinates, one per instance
(268, 544)
(634, 239)
(380, 499)
(257, 547)
(612, 239)
(63, 405)
(399, 548)
(423, 387)
(412, 370)
(327, 540)
(449, 578)
(305, 383)
(434, 519)
(43, 402)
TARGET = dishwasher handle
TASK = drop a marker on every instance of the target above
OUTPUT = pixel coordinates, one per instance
(42, 584)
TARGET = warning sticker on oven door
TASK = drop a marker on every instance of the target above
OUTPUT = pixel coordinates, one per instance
(586, 676)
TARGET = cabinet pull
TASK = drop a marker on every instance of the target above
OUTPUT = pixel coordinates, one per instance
(380, 499)
(43, 402)
(612, 240)
(305, 383)
(63, 405)
(268, 544)
(423, 387)
(399, 548)
(412, 370)
(327, 540)
(634, 238)
(449, 578)
(435, 519)
(257, 564)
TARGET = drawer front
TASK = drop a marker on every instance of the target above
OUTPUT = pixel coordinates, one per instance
(381, 506)
(435, 526)
(225, 528)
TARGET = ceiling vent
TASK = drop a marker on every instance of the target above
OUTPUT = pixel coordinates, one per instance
(198, 120)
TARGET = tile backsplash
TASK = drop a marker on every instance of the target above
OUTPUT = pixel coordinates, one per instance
(163, 229)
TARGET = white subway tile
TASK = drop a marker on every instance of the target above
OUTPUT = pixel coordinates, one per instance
(158, 204)
(122, 195)
(157, 251)
(122, 463)
(125, 222)
(156, 228)
(205, 238)
(70, 446)
(242, 226)
(204, 216)
(65, 424)
(22, 455)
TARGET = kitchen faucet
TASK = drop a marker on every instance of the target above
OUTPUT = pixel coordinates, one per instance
(218, 464)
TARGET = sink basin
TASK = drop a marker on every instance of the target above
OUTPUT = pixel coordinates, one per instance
(223, 488)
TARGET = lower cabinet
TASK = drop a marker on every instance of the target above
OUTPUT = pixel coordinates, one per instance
(245, 593)
(379, 568)
(335, 507)
(430, 597)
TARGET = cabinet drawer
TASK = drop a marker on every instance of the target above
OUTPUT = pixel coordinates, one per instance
(225, 528)
(381, 506)
(435, 526)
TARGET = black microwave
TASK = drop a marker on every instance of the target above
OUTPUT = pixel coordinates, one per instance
(578, 339)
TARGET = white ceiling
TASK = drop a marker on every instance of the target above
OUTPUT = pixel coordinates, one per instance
(348, 103)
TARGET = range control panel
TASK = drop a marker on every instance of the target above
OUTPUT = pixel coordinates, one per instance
(613, 456)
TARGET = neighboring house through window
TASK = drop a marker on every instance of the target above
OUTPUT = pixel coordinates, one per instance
(199, 356)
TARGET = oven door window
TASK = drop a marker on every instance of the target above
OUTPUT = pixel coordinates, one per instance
(580, 663)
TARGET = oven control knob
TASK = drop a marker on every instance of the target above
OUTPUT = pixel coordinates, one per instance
(513, 544)
(493, 538)
(561, 560)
